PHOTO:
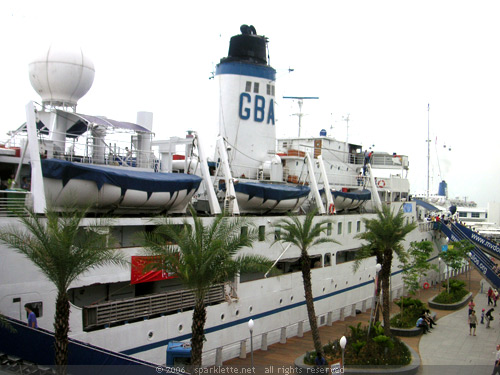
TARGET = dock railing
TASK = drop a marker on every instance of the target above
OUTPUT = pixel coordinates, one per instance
(261, 341)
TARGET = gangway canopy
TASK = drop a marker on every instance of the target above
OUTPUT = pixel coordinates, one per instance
(79, 124)
(427, 206)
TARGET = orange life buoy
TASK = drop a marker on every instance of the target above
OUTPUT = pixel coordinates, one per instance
(426, 285)
(331, 209)
(381, 183)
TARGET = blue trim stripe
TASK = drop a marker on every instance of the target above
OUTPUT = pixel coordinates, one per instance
(244, 69)
(254, 317)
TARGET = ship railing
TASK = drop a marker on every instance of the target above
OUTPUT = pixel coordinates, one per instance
(13, 202)
(123, 311)
(426, 226)
(92, 150)
(389, 161)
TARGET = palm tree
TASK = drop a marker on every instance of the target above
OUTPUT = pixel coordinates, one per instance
(384, 235)
(202, 257)
(63, 250)
(305, 235)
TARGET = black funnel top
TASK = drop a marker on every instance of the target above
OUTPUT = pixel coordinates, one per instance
(247, 47)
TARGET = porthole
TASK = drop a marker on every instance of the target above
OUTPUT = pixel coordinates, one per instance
(347, 282)
(237, 312)
(250, 308)
(281, 301)
(323, 289)
(221, 316)
(291, 298)
(150, 335)
(335, 286)
(180, 327)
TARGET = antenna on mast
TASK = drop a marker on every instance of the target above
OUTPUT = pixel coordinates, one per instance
(428, 149)
(346, 119)
(300, 101)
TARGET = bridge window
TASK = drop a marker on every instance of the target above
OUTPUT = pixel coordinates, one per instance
(270, 90)
(462, 214)
(349, 227)
(358, 226)
(248, 87)
(329, 229)
(339, 228)
(256, 87)
(475, 215)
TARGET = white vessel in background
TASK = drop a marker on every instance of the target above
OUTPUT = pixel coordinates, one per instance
(75, 158)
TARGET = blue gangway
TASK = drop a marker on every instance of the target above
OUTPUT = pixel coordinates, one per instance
(478, 258)
(486, 245)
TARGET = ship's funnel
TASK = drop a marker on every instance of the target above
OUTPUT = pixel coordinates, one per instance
(246, 107)
(443, 189)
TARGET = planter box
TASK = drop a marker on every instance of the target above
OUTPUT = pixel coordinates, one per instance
(410, 369)
(410, 332)
(452, 306)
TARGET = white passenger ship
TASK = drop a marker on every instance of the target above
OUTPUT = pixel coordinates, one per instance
(126, 176)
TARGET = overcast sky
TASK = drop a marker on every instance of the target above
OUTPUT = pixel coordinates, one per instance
(381, 62)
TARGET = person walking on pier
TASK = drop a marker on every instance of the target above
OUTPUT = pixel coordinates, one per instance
(496, 369)
(471, 306)
(472, 322)
(489, 317)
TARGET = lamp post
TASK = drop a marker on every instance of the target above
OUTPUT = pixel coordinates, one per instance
(250, 327)
(469, 254)
(343, 342)
(439, 273)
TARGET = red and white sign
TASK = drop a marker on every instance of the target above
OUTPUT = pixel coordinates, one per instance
(138, 275)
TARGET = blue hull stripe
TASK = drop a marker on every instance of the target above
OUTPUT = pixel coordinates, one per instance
(164, 343)
(244, 69)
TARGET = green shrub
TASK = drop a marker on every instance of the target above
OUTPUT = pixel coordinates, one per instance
(456, 294)
(410, 303)
(412, 309)
(376, 351)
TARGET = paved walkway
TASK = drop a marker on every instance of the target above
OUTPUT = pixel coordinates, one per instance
(447, 350)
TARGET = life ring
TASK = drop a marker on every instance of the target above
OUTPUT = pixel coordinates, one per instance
(381, 183)
(426, 285)
(331, 209)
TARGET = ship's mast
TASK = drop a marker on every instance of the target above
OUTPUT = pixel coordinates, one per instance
(346, 119)
(300, 101)
(428, 149)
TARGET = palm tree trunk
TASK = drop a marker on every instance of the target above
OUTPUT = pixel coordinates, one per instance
(61, 329)
(386, 275)
(306, 277)
(197, 329)
(377, 301)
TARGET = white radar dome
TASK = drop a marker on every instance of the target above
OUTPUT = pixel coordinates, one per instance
(62, 75)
